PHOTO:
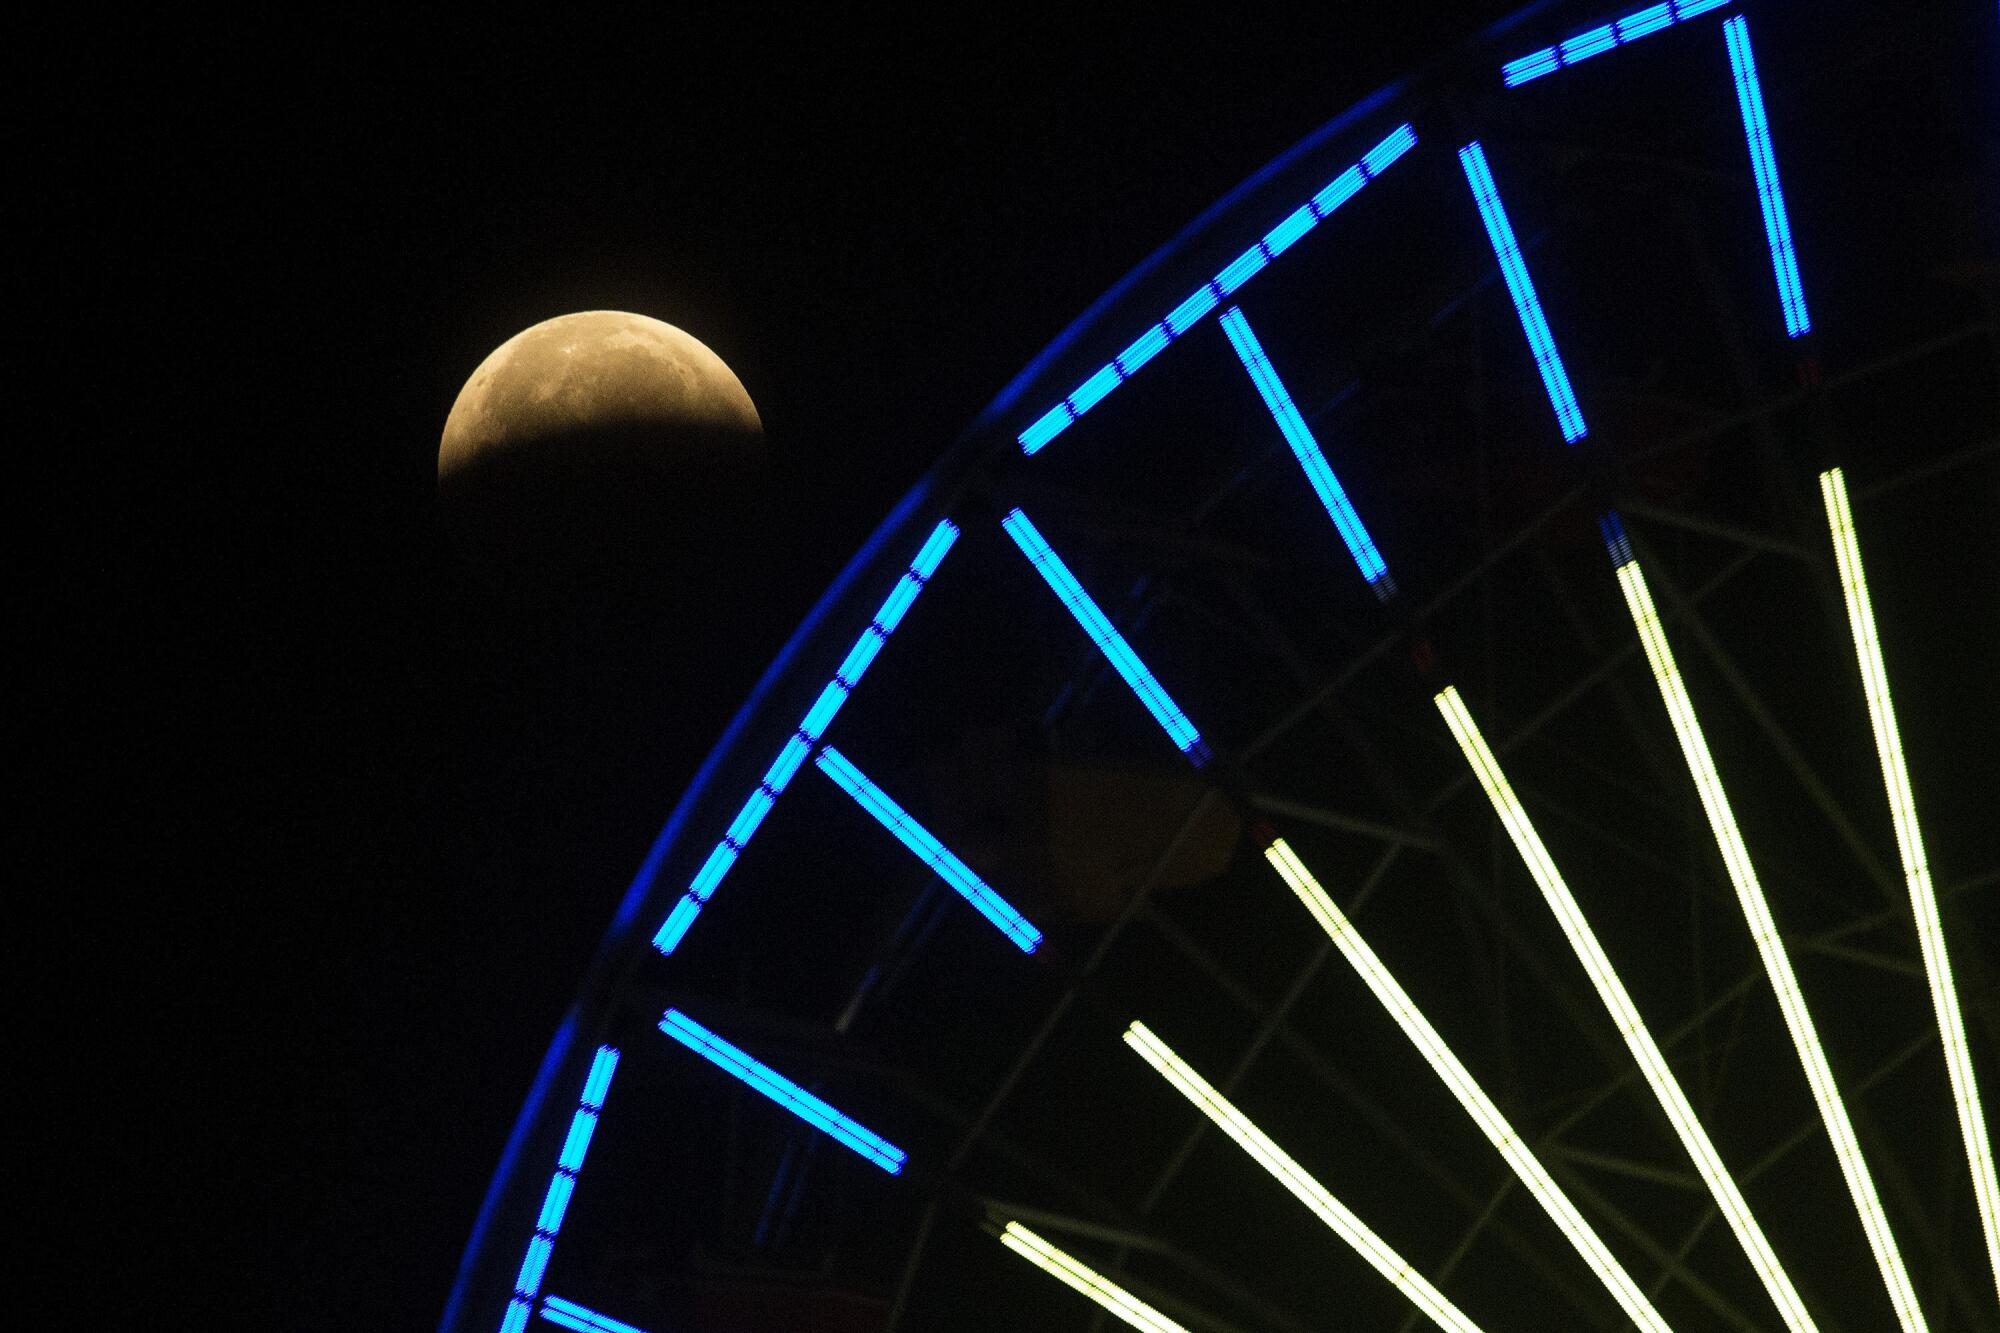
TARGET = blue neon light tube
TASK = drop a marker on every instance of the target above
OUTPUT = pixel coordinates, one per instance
(568, 1314)
(555, 1201)
(1106, 636)
(1605, 37)
(1764, 165)
(1306, 449)
(1555, 379)
(793, 754)
(1211, 294)
(783, 1091)
(934, 853)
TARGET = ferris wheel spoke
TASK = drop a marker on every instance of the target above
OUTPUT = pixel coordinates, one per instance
(1916, 866)
(1763, 926)
(1312, 459)
(1611, 990)
(1463, 1087)
(1764, 166)
(568, 1314)
(1105, 635)
(1296, 1179)
(954, 872)
(761, 1078)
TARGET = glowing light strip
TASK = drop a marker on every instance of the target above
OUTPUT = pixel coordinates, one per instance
(1101, 631)
(555, 1202)
(1306, 449)
(799, 745)
(1212, 293)
(1638, 1039)
(761, 1077)
(1764, 166)
(1528, 305)
(1298, 1180)
(1079, 1276)
(568, 1314)
(1916, 866)
(1639, 23)
(1462, 1086)
(932, 852)
(1770, 947)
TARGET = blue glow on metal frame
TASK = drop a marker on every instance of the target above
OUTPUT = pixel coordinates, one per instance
(1211, 293)
(581, 1126)
(535, 1264)
(598, 1082)
(571, 1315)
(1143, 349)
(1764, 165)
(1279, 239)
(1338, 191)
(792, 756)
(762, 1078)
(1183, 316)
(1306, 449)
(1555, 379)
(1616, 543)
(1106, 636)
(1605, 37)
(934, 853)
(555, 1203)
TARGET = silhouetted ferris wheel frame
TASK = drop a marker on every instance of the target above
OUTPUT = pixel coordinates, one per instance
(986, 485)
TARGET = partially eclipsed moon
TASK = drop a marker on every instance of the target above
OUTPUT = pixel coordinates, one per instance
(601, 399)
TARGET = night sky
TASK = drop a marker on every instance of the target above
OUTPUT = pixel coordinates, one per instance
(331, 835)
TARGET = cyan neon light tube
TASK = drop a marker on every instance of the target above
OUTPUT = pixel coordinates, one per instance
(1295, 1178)
(1464, 1087)
(555, 1202)
(1211, 294)
(1916, 866)
(1605, 37)
(1764, 166)
(1528, 305)
(1770, 946)
(1306, 449)
(762, 1078)
(568, 1314)
(1101, 631)
(793, 753)
(1079, 1276)
(928, 849)
(1638, 1039)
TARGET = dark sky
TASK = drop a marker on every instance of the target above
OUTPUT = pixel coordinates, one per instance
(328, 847)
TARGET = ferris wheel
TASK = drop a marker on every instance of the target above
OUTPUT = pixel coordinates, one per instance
(1369, 787)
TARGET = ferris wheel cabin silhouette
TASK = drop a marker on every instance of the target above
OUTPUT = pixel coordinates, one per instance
(1365, 790)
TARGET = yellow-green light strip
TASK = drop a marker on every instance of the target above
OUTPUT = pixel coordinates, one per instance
(1916, 867)
(1462, 1085)
(1514, 816)
(1073, 1272)
(1298, 1180)
(1770, 948)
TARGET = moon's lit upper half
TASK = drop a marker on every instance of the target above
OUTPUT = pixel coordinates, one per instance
(602, 397)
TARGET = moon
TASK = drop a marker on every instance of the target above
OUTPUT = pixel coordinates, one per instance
(602, 388)
(601, 441)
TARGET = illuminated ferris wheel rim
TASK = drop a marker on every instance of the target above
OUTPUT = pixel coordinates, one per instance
(1056, 390)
